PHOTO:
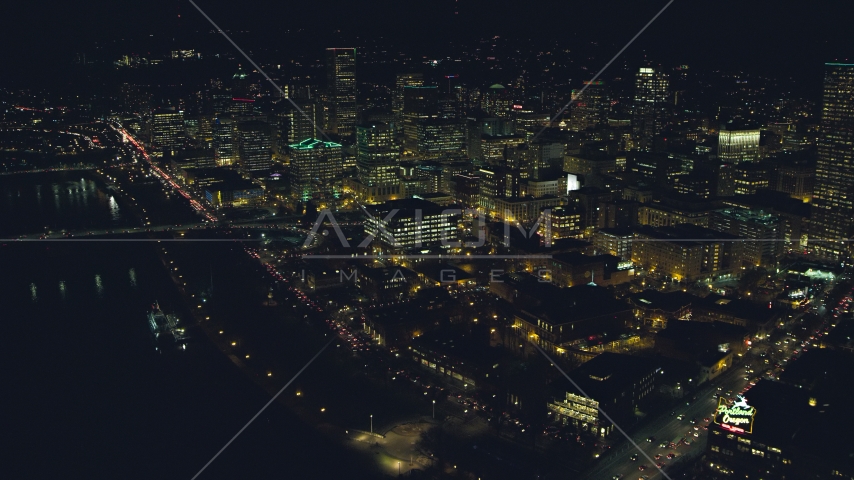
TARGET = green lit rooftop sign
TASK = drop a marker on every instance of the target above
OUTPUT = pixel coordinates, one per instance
(311, 143)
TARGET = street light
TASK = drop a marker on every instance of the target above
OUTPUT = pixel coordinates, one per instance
(372, 424)
(434, 409)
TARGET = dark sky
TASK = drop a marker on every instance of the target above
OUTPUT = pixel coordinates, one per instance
(786, 36)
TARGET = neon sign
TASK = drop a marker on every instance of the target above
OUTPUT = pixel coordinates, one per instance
(735, 416)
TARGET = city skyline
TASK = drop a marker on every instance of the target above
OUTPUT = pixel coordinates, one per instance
(449, 240)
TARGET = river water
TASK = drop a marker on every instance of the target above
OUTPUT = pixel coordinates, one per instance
(88, 396)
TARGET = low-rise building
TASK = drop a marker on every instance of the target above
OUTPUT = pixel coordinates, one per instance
(655, 309)
(617, 384)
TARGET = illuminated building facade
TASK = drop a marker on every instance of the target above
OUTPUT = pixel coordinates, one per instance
(686, 252)
(524, 210)
(618, 384)
(304, 125)
(254, 146)
(738, 146)
(650, 109)
(614, 241)
(415, 223)
(167, 130)
(403, 80)
(749, 178)
(436, 137)
(420, 102)
(496, 101)
(763, 231)
(225, 147)
(467, 190)
(316, 169)
(377, 155)
(591, 108)
(833, 198)
(561, 222)
(341, 89)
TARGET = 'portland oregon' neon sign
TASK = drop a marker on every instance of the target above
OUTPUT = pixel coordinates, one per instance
(735, 416)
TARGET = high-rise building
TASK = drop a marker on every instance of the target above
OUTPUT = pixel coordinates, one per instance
(402, 81)
(223, 141)
(419, 103)
(241, 101)
(167, 130)
(377, 155)
(591, 108)
(304, 125)
(255, 145)
(738, 146)
(650, 115)
(833, 198)
(440, 136)
(341, 85)
(496, 101)
(316, 169)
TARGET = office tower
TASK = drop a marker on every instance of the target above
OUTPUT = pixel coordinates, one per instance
(167, 130)
(341, 90)
(377, 155)
(254, 146)
(316, 169)
(241, 101)
(402, 81)
(304, 125)
(225, 148)
(437, 137)
(738, 145)
(449, 105)
(419, 103)
(591, 108)
(650, 113)
(496, 101)
(833, 199)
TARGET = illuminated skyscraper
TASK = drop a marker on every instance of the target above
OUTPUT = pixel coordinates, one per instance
(833, 199)
(402, 81)
(436, 137)
(303, 125)
(377, 155)
(591, 108)
(255, 145)
(341, 85)
(316, 169)
(167, 130)
(419, 103)
(650, 106)
(223, 139)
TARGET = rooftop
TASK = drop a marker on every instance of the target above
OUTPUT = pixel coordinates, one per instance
(311, 143)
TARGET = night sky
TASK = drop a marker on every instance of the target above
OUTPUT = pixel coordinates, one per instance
(782, 37)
